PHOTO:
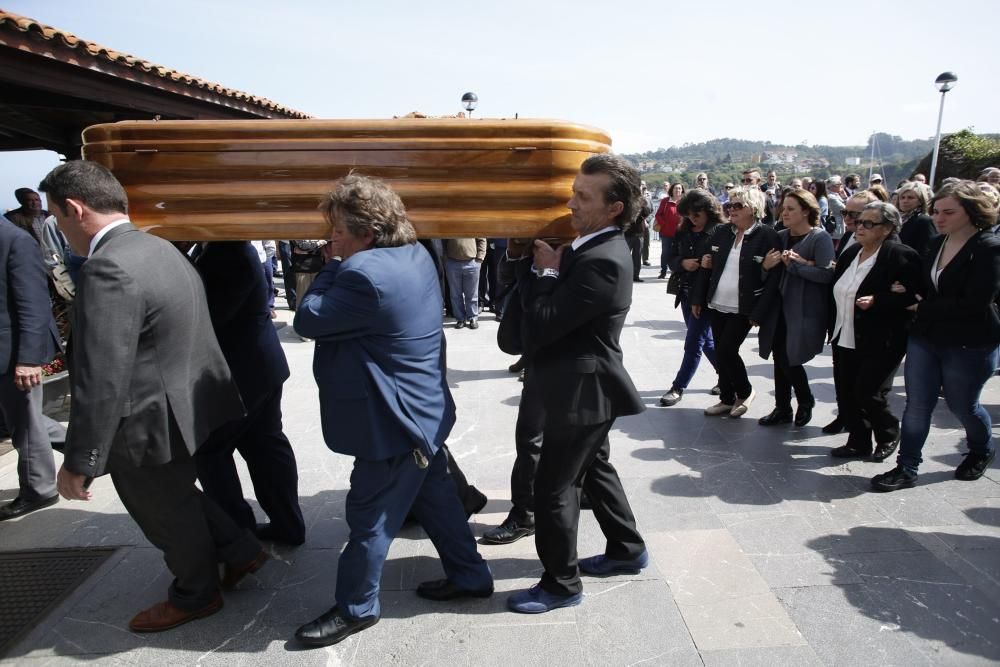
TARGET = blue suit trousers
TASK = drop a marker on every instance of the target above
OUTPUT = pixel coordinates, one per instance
(381, 495)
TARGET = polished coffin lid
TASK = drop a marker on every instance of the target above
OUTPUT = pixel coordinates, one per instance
(263, 179)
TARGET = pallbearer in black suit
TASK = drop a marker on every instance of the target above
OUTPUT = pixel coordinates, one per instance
(237, 293)
(575, 306)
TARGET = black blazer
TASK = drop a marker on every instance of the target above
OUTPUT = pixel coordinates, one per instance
(842, 243)
(758, 288)
(962, 310)
(27, 331)
(573, 324)
(236, 291)
(688, 244)
(918, 232)
(882, 327)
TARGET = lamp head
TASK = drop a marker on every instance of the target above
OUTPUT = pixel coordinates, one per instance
(469, 101)
(945, 81)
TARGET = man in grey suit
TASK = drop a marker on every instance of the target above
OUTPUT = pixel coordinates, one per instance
(148, 384)
(28, 339)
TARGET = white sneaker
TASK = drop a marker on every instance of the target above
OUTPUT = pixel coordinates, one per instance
(742, 405)
(719, 408)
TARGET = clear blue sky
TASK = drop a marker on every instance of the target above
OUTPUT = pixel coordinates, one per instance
(651, 73)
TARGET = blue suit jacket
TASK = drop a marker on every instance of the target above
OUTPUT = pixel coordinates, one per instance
(27, 331)
(379, 361)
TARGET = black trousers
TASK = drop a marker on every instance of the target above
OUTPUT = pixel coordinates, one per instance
(193, 533)
(645, 244)
(635, 247)
(863, 383)
(729, 331)
(261, 441)
(288, 273)
(574, 456)
(528, 436)
(787, 376)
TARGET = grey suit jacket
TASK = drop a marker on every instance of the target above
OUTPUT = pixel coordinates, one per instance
(146, 371)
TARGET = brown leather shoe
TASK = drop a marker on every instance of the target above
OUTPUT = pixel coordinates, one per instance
(234, 573)
(164, 616)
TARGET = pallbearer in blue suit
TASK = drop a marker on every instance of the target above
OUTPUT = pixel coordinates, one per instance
(375, 313)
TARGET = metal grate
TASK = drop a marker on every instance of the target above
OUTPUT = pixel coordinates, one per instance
(33, 583)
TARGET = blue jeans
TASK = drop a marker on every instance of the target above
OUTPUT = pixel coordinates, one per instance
(463, 288)
(698, 339)
(962, 371)
(666, 242)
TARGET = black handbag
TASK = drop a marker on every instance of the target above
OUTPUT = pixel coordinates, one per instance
(674, 283)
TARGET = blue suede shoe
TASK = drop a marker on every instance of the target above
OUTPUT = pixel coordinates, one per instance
(535, 600)
(602, 566)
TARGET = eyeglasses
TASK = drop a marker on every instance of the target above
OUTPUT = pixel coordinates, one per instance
(870, 224)
(853, 215)
(734, 206)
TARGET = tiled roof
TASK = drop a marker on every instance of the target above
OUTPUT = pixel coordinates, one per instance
(60, 41)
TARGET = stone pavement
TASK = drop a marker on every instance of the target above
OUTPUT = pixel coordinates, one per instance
(765, 550)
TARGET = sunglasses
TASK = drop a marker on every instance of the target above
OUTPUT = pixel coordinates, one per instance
(747, 180)
(853, 215)
(734, 206)
(868, 224)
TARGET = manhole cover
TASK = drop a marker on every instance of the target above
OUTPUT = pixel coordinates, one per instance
(32, 583)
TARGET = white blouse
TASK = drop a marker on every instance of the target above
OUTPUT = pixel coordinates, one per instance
(727, 293)
(845, 292)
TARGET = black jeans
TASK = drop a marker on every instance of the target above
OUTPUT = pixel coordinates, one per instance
(729, 331)
(787, 376)
(863, 382)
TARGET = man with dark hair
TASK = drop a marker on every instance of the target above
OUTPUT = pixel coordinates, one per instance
(29, 339)
(574, 304)
(30, 216)
(148, 385)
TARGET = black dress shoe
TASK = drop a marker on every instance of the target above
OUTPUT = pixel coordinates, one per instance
(974, 465)
(803, 414)
(508, 532)
(268, 533)
(331, 628)
(638, 280)
(662, 275)
(442, 590)
(473, 324)
(834, 427)
(849, 452)
(517, 366)
(19, 507)
(777, 416)
(884, 450)
(897, 478)
(473, 502)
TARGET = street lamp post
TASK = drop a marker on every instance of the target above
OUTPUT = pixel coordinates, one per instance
(469, 101)
(945, 82)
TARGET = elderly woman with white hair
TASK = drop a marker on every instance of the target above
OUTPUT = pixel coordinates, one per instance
(918, 228)
(733, 283)
(868, 330)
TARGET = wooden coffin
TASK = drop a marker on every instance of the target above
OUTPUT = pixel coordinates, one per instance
(263, 179)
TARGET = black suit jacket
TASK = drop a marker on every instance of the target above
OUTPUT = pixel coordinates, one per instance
(758, 289)
(882, 327)
(962, 309)
(573, 324)
(27, 331)
(236, 291)
(918, 232)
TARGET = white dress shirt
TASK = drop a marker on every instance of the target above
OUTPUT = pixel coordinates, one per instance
(103, 232)
(845, 292)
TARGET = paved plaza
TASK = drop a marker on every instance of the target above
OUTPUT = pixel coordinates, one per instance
(765, 550)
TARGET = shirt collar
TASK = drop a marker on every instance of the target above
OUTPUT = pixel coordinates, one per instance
(103, 232)
(580, 240)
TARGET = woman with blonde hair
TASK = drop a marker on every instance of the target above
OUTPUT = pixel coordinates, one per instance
(733, 284)
(918, 228)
